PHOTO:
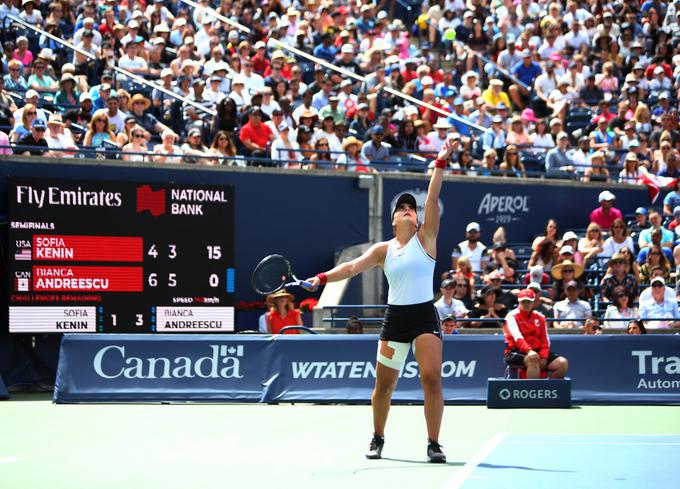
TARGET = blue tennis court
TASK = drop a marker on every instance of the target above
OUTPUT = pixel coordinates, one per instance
(573, 461)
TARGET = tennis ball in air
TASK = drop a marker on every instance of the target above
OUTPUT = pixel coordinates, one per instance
(449, 34)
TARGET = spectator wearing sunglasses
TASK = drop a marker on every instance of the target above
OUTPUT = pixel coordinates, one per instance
(655, 258)
(618, 276)
(506, 300)
(34, 143)
(447, 305)
(620, 310)
(618, 238)
(13, 80)
(660, 307)
(592, 327)
(136, 149)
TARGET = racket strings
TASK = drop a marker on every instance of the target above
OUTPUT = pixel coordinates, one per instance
(270, 275)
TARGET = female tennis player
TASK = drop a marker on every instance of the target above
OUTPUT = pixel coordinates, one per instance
(408, 261)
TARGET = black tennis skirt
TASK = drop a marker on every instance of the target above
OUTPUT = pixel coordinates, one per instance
(406, 323)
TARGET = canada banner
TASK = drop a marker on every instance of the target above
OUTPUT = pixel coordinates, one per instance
(655, 184)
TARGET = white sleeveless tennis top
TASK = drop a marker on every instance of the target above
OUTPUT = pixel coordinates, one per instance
(409, 273)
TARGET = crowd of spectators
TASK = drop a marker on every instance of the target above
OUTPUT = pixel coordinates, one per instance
(575, 89)
(618, 272)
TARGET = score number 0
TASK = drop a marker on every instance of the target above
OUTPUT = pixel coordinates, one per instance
(214, 253)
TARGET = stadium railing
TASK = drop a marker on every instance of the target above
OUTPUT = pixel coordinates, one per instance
(339, 321)
(408, 162)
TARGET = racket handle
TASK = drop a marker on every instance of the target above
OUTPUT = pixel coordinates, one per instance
(304, 283)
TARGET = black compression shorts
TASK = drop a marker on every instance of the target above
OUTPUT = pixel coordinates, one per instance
(406, 323)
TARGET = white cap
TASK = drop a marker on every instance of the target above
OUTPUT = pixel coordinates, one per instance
(566, 249)
(220, 65)
(162, 27)
(569, 235)
(606, 195)
(657, 279)
(658, 69)
(534, 286)
(168, 132)
(347, 48)
(30, 94)
(536, 273)
(410, 110)
(473, 226)
(85, 96)
(427, 80)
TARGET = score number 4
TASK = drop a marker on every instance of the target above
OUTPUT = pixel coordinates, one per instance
(172, 251)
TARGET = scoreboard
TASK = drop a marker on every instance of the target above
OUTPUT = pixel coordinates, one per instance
(120, 257)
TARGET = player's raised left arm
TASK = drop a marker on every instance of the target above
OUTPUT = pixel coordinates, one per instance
(430, 227)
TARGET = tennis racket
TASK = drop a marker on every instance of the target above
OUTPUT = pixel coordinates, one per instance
(274, 273)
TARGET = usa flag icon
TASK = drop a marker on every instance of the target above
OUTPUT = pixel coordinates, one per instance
(24, 254)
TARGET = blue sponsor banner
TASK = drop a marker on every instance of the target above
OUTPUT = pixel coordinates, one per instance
(310, 368)
(3, 390)
(341, 368)
(128, 368)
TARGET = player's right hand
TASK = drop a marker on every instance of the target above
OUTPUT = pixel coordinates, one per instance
(315, 284)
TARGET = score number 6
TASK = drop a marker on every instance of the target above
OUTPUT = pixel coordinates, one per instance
(153, 280)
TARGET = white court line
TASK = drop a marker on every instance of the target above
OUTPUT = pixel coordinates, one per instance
(651, 435)
(466, 471)
(592, 443)
(9, 460)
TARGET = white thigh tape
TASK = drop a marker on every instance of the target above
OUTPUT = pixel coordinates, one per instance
(399, 356)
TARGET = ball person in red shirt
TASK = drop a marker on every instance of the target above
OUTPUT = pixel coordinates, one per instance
(526, 340)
